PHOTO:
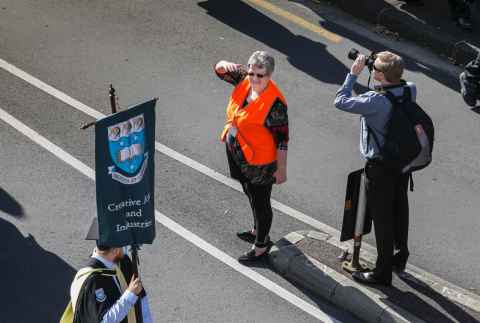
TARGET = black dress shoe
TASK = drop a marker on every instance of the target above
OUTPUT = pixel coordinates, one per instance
(251, 257)
(247, 236)
(369, 278)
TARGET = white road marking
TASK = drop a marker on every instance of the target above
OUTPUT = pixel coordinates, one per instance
(368, 251)
(164, 149)
(172, 225)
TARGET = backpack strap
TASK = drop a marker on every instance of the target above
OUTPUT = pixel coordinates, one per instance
(393, 101)
(407, 93)
(392, 98)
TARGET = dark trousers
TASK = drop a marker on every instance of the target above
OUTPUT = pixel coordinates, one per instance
(259, 199)
(387, 204)
(460, 8)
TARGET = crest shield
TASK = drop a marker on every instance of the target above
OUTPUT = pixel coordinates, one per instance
(126, 142)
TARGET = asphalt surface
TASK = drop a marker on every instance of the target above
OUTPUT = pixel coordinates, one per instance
(167, 49)
(47, 206)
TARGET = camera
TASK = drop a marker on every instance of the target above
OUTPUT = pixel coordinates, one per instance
(353, 54)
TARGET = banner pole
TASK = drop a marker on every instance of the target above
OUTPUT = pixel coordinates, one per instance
(113, 99)
(134, 249)
(136, 263)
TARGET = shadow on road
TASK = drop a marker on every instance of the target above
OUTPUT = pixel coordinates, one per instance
(308, 56)
(430, 70)
(9, 205)
(35, 282)
(407, 292)
(429, 313)
(344, 296)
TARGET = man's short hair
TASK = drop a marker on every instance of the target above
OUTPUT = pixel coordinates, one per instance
(391, 66)
(103, 248)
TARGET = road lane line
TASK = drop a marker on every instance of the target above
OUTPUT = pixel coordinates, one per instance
(445, 288)
(334, 38)
(172, 225)
(168, 151)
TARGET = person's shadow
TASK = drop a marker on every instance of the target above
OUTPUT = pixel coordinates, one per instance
(425, 311)
(303, 53)
(309, 56)
(9, 205)
(35, 282)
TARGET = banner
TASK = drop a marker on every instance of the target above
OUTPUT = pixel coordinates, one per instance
(125, 172)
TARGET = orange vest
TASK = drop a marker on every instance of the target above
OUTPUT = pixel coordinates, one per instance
(256, 141)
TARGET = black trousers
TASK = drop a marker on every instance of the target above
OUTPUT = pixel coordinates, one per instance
(259, 199)
(387, 204)
(460, 8)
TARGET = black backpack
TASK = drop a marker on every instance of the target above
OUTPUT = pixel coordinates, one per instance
(409, 135)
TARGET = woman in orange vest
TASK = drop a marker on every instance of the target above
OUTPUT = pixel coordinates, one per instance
(256, 138)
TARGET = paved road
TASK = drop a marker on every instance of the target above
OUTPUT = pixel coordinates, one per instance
(167, 49)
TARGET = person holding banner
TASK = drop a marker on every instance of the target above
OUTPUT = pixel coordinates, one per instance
(256, 137)
(99, 291)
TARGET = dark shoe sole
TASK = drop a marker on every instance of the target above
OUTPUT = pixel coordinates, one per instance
(372, 281)
(250, 256)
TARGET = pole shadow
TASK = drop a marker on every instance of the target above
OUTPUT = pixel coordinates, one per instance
(36, 283)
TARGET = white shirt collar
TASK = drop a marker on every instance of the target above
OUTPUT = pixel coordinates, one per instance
(107, 263)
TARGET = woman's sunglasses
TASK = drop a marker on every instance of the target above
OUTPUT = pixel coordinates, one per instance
(256, 74)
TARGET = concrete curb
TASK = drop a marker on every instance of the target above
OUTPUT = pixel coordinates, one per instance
(410, 28)
(328, 284)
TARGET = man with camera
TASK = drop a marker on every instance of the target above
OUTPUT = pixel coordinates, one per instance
(387, 199)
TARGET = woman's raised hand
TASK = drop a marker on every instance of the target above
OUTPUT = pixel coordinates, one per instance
(225, 67)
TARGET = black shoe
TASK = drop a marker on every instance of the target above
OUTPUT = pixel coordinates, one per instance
(251, 257)
(247, 236)
(400, 261)
(464, 23)
(369, 278)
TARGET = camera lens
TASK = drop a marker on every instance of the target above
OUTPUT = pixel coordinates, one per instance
(353, 54)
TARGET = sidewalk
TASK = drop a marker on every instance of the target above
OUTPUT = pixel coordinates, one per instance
(309, 259)
(429, 25)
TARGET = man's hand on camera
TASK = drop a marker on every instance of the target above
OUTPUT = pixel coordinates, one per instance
(358, 65)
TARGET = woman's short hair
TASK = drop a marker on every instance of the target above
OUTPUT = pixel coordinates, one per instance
(262, 59)
(391, 66)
